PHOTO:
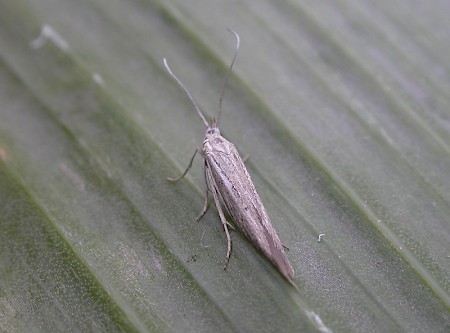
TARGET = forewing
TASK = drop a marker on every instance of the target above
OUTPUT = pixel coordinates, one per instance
(243, 203)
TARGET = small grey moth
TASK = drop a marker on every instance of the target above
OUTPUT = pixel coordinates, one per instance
(229, 182)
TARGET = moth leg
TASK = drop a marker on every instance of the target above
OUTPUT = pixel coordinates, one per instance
(246, 157)
(187, 169)
(206, 206)
(225, 223)
(231, 226)
(205, 209)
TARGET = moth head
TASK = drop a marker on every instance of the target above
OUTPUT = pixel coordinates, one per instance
(212, 131)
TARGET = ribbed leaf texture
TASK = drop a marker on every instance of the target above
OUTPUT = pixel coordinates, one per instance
(343, 107)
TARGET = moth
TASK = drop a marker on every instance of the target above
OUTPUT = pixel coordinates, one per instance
(229, 182)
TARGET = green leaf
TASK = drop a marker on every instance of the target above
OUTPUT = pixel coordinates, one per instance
(343, 107)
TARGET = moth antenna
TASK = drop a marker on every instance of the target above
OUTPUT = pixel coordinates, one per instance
(202, 117)
(238, 42)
